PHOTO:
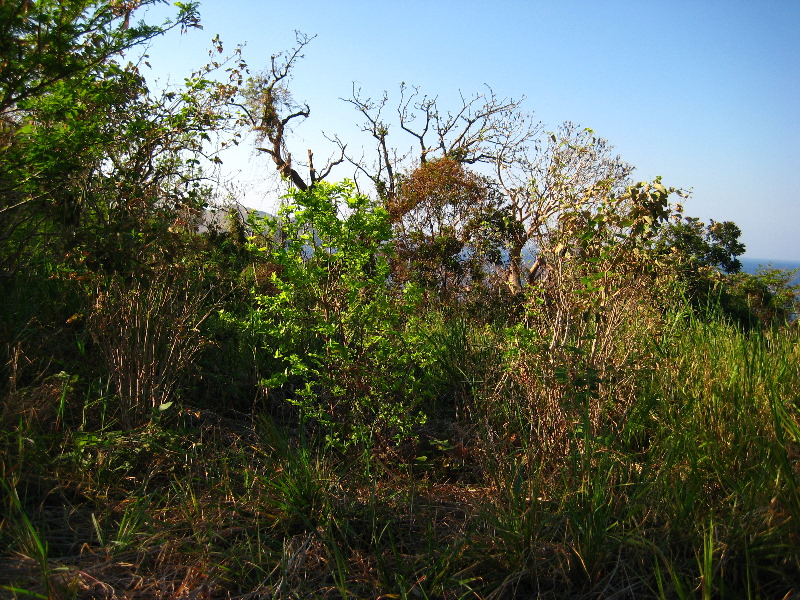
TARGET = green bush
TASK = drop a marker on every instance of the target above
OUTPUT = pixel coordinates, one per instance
(331, 320)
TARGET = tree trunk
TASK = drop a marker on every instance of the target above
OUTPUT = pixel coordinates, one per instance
(514, 276)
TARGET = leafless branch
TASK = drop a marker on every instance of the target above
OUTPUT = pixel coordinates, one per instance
(271, 110)
(484, 129)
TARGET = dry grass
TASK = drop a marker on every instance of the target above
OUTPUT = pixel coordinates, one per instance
(692, 493)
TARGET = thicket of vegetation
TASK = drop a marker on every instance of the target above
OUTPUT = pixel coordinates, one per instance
(373, 393)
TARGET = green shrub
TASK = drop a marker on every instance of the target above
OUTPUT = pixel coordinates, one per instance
(331, 320)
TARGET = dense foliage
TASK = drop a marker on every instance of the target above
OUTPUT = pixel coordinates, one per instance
(498, 369)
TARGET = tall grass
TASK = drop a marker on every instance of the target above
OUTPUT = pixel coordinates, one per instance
(676, 477)
(693, 494)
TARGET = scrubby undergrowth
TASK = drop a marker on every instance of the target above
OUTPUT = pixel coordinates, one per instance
(692, 492)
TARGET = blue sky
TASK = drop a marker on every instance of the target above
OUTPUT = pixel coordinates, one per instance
(704, 93)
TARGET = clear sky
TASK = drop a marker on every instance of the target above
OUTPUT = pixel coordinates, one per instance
(704, 93)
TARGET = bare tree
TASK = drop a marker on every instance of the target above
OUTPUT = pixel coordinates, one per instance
(270, 110)
(485, 129)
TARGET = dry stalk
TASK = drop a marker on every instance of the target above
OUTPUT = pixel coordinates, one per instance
(149, 335)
